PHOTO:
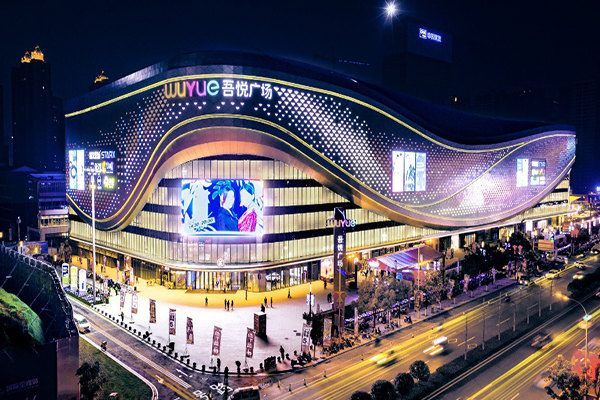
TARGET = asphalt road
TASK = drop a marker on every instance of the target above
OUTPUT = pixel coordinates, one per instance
(464, 326)
(516, 374)
(172, 379)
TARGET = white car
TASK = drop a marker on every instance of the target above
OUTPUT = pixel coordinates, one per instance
(82, 324)
(562, 259)
(552, 274)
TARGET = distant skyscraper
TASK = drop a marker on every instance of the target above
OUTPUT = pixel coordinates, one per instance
(37, 117)
(417, 61)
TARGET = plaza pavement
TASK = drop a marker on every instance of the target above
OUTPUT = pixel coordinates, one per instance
(284, 319)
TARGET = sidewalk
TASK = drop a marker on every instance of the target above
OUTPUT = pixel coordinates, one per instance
(284, 319)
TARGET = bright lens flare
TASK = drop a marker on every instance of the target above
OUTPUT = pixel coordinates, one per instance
(391, 9)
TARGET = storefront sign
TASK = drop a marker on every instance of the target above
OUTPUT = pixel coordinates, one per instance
(216, 342)
(172, 324)
(339, 254)
(250, 342)
(189, 331)
(305, 345)
(326, 332)
(427, 35)
(134, 302)
(152, 311)
(73, 278)
(122, 298)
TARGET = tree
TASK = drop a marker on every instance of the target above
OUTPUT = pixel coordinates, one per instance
(90, 381)
(434, 284)
(360, 395)
(420, 371)
(567, 382)
(316, 331)
(404, 382)
(383, 390)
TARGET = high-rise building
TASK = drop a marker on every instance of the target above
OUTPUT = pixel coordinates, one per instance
(37, 116)
(417, 61)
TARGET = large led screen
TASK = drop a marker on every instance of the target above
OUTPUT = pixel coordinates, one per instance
(538, 172)
(222, 207)
(522, 172)
(409, 171)
(104, 165)
(76, 172)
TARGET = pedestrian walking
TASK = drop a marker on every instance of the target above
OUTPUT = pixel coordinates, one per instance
(206, 302)
(231, 305)
(289, 294)
(282, 352)
(122, 316)
(271, 301)
(265, 301)
(225, 304)
(452, 253)
(262, 308)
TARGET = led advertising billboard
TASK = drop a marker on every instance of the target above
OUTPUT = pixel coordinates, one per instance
(522, 172)
(538, 172)
(104, 164)
(409, 171)
(76, 173)
(222, 207)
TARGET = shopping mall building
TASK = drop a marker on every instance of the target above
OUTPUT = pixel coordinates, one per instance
(222, 169)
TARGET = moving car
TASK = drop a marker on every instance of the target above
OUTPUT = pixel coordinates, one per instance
(525, 280)
(580, 265)
(82, 324)
(387, 358)
(540, 340)
(437, 346)
(543, 380)
(579, 275)
(246, 393)
(595, 251)
(552, 274)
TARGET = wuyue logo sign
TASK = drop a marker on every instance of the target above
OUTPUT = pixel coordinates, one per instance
(229, 88)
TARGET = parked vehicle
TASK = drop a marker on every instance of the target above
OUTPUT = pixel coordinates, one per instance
(562, 259)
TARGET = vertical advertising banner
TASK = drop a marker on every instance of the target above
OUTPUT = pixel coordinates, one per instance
(171, 321)
(326, 332)
(216, 342)
(105, 287)
(82, 281)
(418, 299)
(339, 254)
(76, 170)
(250, 343)
(305, 345)
(189, 331)
(522, 172)
(73, 278)
(122, 298)
(420, 171)
(410, 171)
(397, 171)
(450, 288)
(152, 311)
(134, 302)
(65, 274)
(466, 286)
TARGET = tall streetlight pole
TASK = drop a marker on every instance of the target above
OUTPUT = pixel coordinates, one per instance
(586, 317)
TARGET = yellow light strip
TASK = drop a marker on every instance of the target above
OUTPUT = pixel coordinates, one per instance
(269, 123)
(281, 82)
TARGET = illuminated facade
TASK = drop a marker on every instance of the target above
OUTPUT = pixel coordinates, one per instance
(213, 168)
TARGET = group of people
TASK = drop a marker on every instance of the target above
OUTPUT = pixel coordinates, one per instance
(264, 306)
(228, 303)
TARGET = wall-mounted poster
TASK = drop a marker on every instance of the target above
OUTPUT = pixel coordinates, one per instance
(397, 171)
(76, 169)
(222, 207)
(409, 171)
(522, 172)
(538, 172)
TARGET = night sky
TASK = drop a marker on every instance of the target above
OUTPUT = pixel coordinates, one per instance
(502, 45)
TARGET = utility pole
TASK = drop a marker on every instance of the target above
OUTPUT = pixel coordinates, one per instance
(483, 340)
(551, 284)
(514, 317)
(499, 301)
(540, 301)
(466, 335)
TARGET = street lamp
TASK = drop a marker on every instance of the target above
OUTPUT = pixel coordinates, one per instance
(586, 317)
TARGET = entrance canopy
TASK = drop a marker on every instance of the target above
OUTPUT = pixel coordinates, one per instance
(408, 258)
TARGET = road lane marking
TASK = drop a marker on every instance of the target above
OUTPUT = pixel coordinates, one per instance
(468, 340)
(501, 322)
